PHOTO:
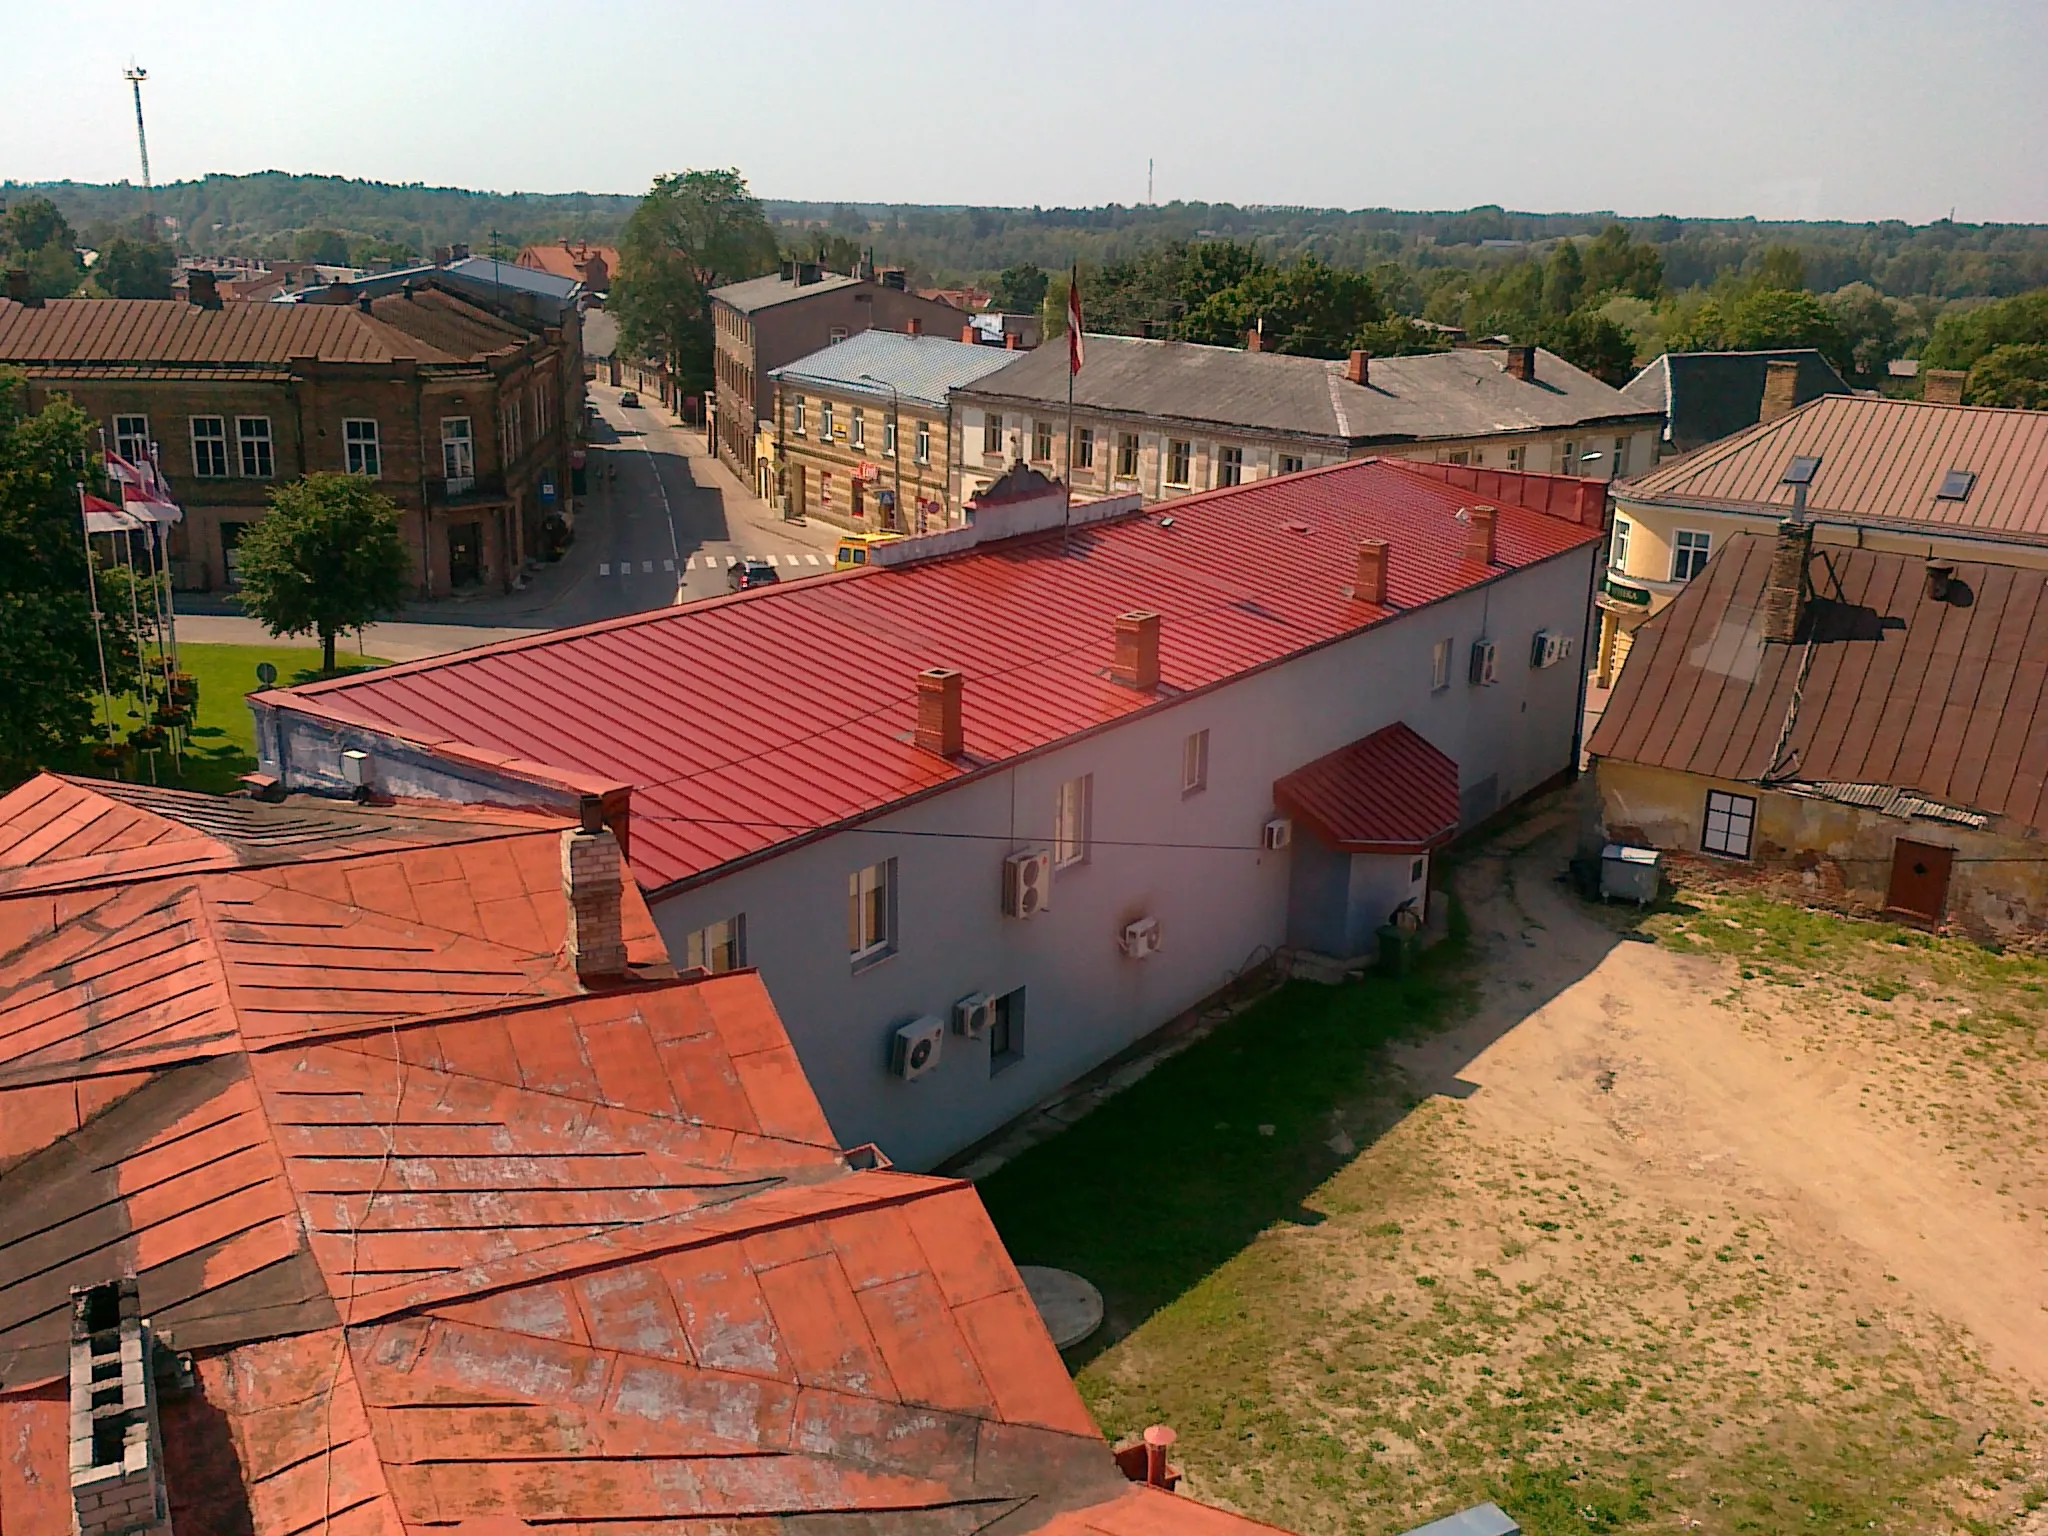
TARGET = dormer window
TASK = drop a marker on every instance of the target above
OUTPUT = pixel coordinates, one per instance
(1956, 484)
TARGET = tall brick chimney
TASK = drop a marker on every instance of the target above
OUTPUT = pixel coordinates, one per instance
(913, 326)
(203, 289)
(1137, 651)
(1358, 367)
(1521, 364)
(1479, 541)
(117, 1452)
(940, 728)
(968, 333)
(1942, 386)
(1781, 388)
(1012, 342)
(593, 884)
(1371, 585)
(18, 289)
(1785, 586)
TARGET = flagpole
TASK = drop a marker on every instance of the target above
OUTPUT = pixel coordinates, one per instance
(1073, 314)
(99, 639)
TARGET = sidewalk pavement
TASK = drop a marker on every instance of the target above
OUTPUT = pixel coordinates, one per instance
(393, 642)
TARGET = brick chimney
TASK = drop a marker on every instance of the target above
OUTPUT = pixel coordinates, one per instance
(939, 725)
(1255, 339)
(913, 326)
(1942, 386)
(1521, 363)
(593, 883)
(1371, 583)
(1012, 342)
(203, 289)
(1479, 543)
(1359, 368)
(1781, 388)
(117, 1457)
(968, 333)
(1137, 651)
(1785, 586)
(18, 289)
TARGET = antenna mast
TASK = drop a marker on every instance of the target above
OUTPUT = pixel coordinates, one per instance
(1148, 159)
(135, 77)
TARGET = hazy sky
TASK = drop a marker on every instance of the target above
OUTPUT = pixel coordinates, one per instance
(1779, 108)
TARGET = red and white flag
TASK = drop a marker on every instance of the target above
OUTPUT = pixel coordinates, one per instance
(1074, 321)
(120, 469)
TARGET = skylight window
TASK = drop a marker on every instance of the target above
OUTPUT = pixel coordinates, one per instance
(1801, 470)
(1955, 485)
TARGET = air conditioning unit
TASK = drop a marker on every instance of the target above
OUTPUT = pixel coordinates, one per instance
(1141, 938)
(973, 1014)
(1027, 883)
(1485, 661)
(1279, 832)
(915, 1049)
(1546, 648)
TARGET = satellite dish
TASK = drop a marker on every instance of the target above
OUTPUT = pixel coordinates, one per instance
(266, 674)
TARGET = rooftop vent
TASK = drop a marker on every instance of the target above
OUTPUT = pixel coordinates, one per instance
(1941, 582)
(1799, 475)
(1956, 485)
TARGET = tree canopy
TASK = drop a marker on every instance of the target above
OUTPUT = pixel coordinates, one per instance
(328, 558)
(1961, 336)
(133, 269)
(2012, 375)
(37, 239)
(690, 234)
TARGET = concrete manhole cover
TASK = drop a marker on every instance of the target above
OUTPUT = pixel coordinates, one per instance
(1069, 1305)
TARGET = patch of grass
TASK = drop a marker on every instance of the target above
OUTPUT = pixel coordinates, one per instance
(222, 741)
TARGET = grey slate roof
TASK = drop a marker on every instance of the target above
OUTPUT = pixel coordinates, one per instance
(1459, 394)
(760, 292)
(1706, 396)
(923, 368)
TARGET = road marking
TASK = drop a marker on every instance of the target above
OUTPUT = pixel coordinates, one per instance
(731, 559)
(646, 567)
(604, 568)
(813, 559)
(668, 565)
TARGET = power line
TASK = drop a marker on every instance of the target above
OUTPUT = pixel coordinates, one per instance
(962, 837)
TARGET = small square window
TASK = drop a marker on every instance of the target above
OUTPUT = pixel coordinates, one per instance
(1440, 666)
(1006, 1032)
(1070, 822)
(1290, 464)
(838, 335)
(871, 912)
(719, 948)
(1459, 456)
(1415, 869)
(1689, 552)
(1731, 822)
(1194, 764)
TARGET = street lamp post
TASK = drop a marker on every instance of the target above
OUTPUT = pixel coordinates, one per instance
(896, 436)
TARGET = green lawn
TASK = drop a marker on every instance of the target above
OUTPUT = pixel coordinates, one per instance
(222, 741)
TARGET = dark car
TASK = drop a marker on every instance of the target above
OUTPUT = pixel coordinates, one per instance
(630, 400)
(752, 571)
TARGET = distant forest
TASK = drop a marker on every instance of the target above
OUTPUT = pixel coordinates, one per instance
(278, 215)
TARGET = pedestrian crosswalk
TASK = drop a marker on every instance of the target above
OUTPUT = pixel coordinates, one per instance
(705, 562)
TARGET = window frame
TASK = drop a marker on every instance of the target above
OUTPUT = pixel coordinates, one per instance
(1691, 548)
(245, 441)
(1007, 1016)
(1229, 467)
(358, 450)
(698, 946)
(888, 437)
(1194, 763)
(464, 441)
(1292, 463)
(1129, 451)
(826, 426)
(1084, 448)
(1041, 442)
(131, 441)
(1570, 451)
(1072, 845)
(217, 442)
(1517, 457)
(991, 433)
(856, 428)
(1179, 456)
(1617, 545)
(1440, 657)
(1735, 808)
(880, 895)
(924, 443)
(796, 416)
(1620, 456)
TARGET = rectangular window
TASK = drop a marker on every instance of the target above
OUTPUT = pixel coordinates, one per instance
(857, 433)
(1440, 666)
(1516, 458)
(1568, 460)
(992, 433)
(838, 335)
(1731, 819)
(1617, 546)
(1689, 553)
(1290, 464)
(796, 416)
(1006, 1032)
(458, 454)
(824, 421)
(1127, 455)
(253, 433)
(1180, 462)
(924, 442)
(359, 441)
(1084, 447)
(889, 438)
(131, 438)
(1229, 466)
(1070, 822)
(1041, 441)
(1194, 764)
(719, 948)
(1620, 457)
(871, 911)
(209, 447)
(1460, 456)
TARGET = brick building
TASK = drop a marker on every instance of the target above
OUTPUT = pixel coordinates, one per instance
(759, 325)
(460, 409)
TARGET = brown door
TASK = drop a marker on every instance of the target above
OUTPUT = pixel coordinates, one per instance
(1919, 880)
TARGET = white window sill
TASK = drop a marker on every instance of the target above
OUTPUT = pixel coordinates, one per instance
(868, 959)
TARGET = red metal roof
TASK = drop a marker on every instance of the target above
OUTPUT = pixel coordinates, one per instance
(171, 331)
(446, 1252)
(1390, 792)
(746, 721)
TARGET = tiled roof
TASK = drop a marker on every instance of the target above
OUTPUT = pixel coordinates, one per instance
(1947, 700)
(924, 369)
(1706, 396)
(566, 260)
(172, 332)
(1390, 792)
(749, 721)
(586, 1260)
(1458, 394)
(1880, 461)
(761, 292)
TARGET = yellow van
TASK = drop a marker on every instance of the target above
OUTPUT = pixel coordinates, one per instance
(853, 548)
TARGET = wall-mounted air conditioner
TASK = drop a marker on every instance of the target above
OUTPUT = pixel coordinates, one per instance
(1140, 939)
(1485, 663)
(1277, 834)
(1543, 649)
(973, 1014)
(1027, 883)
(915, 1049)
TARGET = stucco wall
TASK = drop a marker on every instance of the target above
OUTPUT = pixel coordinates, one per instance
(1837, 855)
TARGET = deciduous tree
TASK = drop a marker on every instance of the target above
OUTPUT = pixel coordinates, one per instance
(2014, 375)
(37, 239)
(328, 558)
(691, 233)
(133, 269)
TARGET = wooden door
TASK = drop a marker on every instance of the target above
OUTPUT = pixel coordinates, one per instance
(1919, 886)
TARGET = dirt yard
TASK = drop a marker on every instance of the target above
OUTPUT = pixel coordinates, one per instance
(1733, 1218)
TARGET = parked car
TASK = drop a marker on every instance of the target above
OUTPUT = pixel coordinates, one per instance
(854, 547)
(630, 400)
(751, 572)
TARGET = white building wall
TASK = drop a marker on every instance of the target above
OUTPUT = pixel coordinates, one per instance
(1194, 863)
